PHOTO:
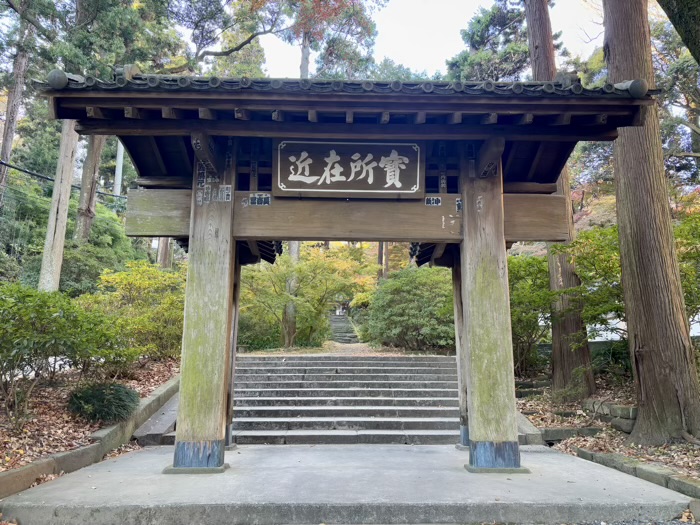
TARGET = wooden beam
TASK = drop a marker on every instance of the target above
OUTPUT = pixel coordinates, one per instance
(349, 117)
(207, 333)
(95, 112)
(206, 151)
(164, 182)
(172, 113)
(420, 117)
(489, 157)
(241, 114)
(385, 118)
(529, 187)
(313, 115)
(524, 120)
(563, 119)
(207, 114)
(278, 115)
(486, 346)
(437, 252)
(166, 213)
(534, 165)
(135, 113)
(454, 118)
(490, 118)
(306, 130)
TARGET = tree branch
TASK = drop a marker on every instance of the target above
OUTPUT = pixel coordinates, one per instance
(25, 15)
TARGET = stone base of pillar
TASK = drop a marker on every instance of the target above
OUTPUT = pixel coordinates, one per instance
(196, 470)
(501, 457)
(190, 455)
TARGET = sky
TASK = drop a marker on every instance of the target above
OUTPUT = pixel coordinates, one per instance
(422, 34)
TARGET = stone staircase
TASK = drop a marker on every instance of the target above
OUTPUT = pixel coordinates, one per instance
(345, 399)
(342, 330)
(338, 399)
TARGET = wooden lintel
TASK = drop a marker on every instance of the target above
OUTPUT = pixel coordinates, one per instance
(490, 118)
(524, 120)
(206, 152)
(385, 118)
(563, 119)
(207, 114)
(166, 213)
(592, 120)
(95, 112)
(454, 118)
(164, 182)
(171, 113)
(349, 117)
(278, 115)
(313, 115)
(438, 251)
(253, 247)
(420, 117)
(529, 187)
(306, 130)
(241, 114)
(490, 157)
(136, 113)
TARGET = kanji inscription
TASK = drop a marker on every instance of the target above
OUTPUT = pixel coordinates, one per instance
(348, 169)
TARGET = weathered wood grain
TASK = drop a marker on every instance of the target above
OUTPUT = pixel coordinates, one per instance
(165, 213)
(486, 331)
(207, 333)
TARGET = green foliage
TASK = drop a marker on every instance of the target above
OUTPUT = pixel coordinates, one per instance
(108, 402)
(9, 268)
(413, 309)
(613, 360)
(148, 305)
(530, 306)
(323, 279)
(41, 333)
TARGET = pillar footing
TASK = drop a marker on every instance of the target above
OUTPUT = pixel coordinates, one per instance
(206, 455)
(494, 456)
(196, 470)
(477, 470)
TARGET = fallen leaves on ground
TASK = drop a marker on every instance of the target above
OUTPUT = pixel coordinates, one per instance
(125, 448)
(680, 456)
(544, 412)
(51, 428)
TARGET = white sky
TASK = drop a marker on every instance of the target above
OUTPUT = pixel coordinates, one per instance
(422, 34)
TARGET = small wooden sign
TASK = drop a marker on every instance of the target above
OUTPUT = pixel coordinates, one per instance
(386, 170)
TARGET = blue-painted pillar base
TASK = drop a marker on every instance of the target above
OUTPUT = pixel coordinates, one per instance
(489, 456)
(195, 457)
(463, 438)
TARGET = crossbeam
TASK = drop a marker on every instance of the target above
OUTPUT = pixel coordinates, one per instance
(166, 213)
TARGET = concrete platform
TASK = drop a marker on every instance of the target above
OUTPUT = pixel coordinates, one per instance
(343, 484)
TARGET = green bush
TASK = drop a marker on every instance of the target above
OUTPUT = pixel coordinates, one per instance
(42, 333)
(108, 402)
(413, 309)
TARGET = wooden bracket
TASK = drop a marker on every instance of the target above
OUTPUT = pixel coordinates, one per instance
(207, 152)
(489, 155)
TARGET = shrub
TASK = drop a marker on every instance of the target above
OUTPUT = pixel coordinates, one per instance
(108, 402)
(413, 309)
(40, 334)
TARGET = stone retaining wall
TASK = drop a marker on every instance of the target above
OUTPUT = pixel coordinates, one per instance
(621, 417)
(106, 439)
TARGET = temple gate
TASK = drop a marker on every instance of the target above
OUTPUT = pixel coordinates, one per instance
(230, 167)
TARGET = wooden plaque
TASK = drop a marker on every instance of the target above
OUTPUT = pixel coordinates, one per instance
(380, 170)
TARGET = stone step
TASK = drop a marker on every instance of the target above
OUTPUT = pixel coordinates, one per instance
(337, 412)
(344, 392)
(346, 423)
(240, 370)
(381, 385)
(412, 360)
(162, 422)
(344, 437)
(316, 378)
(347, 401)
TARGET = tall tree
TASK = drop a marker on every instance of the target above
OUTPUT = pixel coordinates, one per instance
(569, 339)
(685, 16)
(88, 187)
(668, 393)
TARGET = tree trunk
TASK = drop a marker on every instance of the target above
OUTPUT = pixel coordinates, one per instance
(305, 55)
(52, 257)
(668, 394)
(163, 257)
(569, 338)
(88, 187)
(14, 100)
(685, 17)
(380, 260)
(289, 326)
(117, 190)
(386, 259)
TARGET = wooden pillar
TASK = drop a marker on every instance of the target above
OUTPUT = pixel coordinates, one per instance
(207, 335)
(234, 347)
(462, 374)
(486, 349)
